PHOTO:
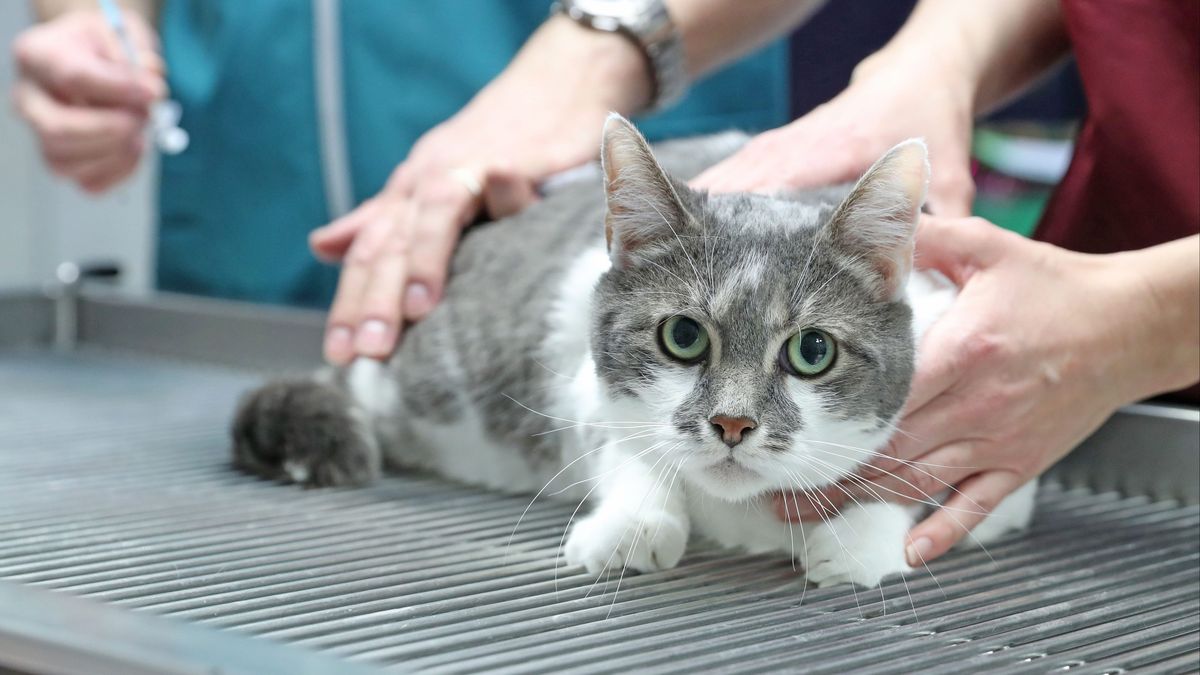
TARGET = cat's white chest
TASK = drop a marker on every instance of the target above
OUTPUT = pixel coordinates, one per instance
(751, 526)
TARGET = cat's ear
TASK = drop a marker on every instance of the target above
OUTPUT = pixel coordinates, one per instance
(644, 207)
(878, 219)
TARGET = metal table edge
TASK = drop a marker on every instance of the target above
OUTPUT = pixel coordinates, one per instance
(43, 631)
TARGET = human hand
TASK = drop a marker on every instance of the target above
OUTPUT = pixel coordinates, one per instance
(1041, 346)
(542, 115)
(83, 99)
(887, 102)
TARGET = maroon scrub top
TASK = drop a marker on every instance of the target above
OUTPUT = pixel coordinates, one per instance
(1134, 180)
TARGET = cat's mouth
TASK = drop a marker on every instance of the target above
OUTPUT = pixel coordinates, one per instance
(730, 480)
(729, 469)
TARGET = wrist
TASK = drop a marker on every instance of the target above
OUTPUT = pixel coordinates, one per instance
(605, 71)
(932, 50)
(919, 67)
(1162, 317)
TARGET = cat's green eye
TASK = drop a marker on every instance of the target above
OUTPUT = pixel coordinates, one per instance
(809, 352)
(682, 338)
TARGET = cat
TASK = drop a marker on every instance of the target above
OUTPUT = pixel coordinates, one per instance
(672, 356)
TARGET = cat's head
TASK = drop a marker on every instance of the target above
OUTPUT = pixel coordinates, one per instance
(771, 338)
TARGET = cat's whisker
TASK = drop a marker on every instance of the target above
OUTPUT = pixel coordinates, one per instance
(791, 535)
(637, 522)
(915, 465)
(579, 423)
(708, 254)
(874, 493)
(863, 483)
(883, 455)
(603, 474)
(895, 429)
(618, 426)
(831, 479)
(550, 370)
(583, 501)
(925, 564)
(811, 488)
(841, 268)
(667, 271)
(803, 275)
(637, 534)
(608, 444)
(929, 500)
(692, 263)
(673, 294)
(803, 542)
(912, 604)
(676, 469)
(836, 482)
(866, 486)
(804, 547)
(845, 551)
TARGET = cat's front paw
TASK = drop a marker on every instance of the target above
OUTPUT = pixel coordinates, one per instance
(864, 545)
(608, 541)
(305, 432)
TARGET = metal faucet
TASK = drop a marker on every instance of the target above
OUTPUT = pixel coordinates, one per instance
(70, 277)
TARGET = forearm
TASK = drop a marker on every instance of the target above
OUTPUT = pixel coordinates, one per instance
(49, 9)
(988, 49)
(1166, 337)
(715, 32)
(611, 71)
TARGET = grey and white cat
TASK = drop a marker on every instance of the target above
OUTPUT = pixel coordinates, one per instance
(673, 356)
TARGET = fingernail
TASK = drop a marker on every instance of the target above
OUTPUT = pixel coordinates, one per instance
(918, 551)
(417, 299)
(339, 344)
(372, 338)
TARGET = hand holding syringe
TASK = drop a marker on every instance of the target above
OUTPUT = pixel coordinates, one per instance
(169, 138)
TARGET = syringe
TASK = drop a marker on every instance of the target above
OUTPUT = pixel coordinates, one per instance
(169, 138)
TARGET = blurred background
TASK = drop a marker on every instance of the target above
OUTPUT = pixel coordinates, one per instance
(1020, 151)
(43, 219)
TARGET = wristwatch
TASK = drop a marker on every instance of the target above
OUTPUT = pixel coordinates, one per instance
(648, 25)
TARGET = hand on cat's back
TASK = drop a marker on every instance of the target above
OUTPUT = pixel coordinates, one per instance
(1033, 356)
(836, 142)
(395, 248)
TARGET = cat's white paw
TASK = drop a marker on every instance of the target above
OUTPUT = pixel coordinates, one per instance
(863, 546)
(610, 541)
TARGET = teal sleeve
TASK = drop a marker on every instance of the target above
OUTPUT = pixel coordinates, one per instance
(236, 207)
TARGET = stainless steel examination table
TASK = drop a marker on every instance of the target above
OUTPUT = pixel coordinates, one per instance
(129, 545)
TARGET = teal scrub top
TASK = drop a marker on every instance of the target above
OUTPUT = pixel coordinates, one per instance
(236, 207)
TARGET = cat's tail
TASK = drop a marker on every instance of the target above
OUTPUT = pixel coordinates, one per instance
(306, 431)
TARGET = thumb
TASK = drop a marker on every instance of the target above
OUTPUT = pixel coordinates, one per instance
(955, 247)
(951, 193)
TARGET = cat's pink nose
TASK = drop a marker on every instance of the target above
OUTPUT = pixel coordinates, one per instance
(732, 429)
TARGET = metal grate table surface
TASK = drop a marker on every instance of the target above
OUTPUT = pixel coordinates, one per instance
(117, 498)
